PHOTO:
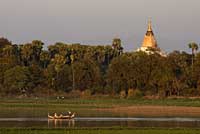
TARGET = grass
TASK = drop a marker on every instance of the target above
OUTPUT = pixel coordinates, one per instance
(30, 107)
(96, 103)
(98, 131)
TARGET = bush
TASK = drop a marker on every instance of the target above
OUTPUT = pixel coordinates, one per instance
(130, 93)
(86, 94)
(150, 93)
(138, 93)
(75, 94)
(163, 93)
(122, 94)
(2, 93)
(109, 90)
(191, 92)
(134, 93)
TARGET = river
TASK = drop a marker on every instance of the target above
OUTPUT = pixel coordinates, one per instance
(102, 122)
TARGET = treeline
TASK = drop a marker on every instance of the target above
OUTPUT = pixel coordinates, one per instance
(74, 68)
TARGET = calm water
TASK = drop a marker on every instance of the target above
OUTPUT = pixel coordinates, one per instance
(26, 116)
(102, 122)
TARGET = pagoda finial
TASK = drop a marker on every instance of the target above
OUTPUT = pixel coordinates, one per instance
(149, 25)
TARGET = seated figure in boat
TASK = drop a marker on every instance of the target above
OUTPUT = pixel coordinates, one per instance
(69, 113)
(60, 116)
(68, 116)
(55, 115)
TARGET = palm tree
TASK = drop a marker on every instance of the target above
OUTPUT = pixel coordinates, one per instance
(45, 58)
(194, 47)
(116, 44)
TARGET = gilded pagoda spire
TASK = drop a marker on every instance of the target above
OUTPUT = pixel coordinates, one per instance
(149, 26)
(149, 39)
(149, 44)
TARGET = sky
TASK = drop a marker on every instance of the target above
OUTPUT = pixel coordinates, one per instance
(175, 22)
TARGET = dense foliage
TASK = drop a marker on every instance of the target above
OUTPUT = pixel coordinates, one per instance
(29, 69)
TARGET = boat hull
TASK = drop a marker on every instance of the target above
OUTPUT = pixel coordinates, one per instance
(61, 117)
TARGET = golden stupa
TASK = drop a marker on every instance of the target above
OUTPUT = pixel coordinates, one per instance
(149, 39)
(149, 44)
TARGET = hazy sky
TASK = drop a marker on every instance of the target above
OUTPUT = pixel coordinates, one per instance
(175, 22)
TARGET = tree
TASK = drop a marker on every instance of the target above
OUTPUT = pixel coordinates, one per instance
(120, 73)
(64, 80)
(180, 68)
(37, 46)
(50, 75)
(9, 56)
(36, 76)
(116, 44)
(45, 58)
(58, 61)
(87, 75)
(30, 52)
(26, 53)
(17, 80)
(194, 47)
(4, 42)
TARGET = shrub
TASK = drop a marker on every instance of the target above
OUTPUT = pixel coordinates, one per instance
(137, 93)
(162, 93)
(86, 94)
(191, 92)
(75, 94)
(109, 90)
(130, 93)
(150, 93)
(122, 94)
(2, 93)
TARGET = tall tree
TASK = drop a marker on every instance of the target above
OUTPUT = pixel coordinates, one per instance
(194, 47)
(17, 80)
(116, 44)
(87, 74)
(45, 58)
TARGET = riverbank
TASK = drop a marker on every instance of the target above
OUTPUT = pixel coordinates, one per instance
(102, 107)
(156, 111)
(98, 131)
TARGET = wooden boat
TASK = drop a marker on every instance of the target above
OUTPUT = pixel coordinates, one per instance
(61, 116)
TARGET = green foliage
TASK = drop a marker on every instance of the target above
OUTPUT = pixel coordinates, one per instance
(117, 45)
(64, 79)
(87, 74)
(44, 58)
(194, 46)
(130, 93)
(17, 80)
(137, 93)
(86, 94)
(191, 92)
(4, 42)
(75, 94)
(101, 69)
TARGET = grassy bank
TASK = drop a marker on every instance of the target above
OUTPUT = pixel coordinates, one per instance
(100, 131)
(94, 106)
(96, 102)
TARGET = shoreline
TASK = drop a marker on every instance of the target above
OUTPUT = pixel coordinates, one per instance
(155, 111)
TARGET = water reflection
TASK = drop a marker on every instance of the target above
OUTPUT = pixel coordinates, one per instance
(102, 122)
(58, 123)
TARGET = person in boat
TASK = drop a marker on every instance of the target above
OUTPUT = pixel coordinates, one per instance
(69, 113)
(55, 115)
(60, 116)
